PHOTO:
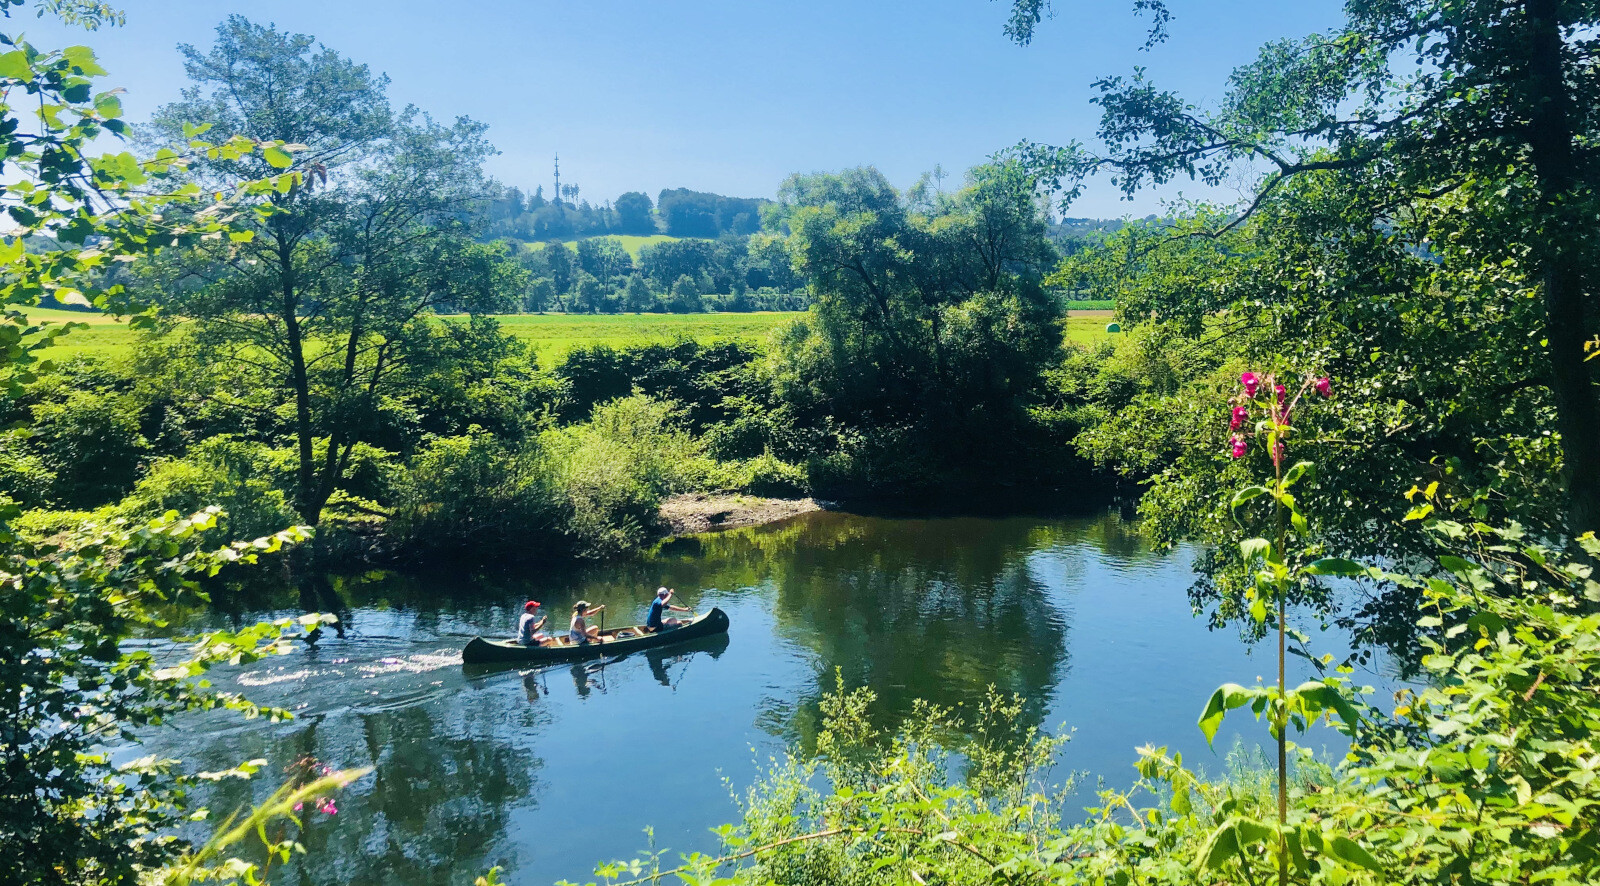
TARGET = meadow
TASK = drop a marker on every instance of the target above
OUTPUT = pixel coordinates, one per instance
(550, 335)
(633, 243)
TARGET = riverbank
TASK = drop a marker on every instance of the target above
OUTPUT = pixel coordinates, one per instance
(696, 512)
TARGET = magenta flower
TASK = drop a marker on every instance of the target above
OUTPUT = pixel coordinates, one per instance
(1324, 386)
(1238, 446)
(1282, 392)
(1251, 382)
(299, 806)
(327, 807)
(1278, 452)
(1239, 415)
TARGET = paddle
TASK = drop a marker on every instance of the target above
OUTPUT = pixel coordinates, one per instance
(601, 639)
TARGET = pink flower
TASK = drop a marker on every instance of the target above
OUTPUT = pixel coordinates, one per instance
(299, 806)
(1239, 415)
(1238, 446)
(1282, 392)
(1278, 452)
(1251, 382)
(327, 807)
(1324, 386)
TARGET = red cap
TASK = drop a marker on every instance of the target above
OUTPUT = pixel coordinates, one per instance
(531, 605)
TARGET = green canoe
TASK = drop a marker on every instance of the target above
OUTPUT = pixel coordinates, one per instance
(615, 642)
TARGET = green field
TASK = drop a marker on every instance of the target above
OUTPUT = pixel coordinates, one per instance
(551, 335)
(631, 242)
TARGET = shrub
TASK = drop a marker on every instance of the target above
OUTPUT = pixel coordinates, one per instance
(613, 470)
(471, 495)
(91, 443)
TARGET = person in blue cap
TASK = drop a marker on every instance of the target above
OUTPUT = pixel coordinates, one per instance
(659, 607)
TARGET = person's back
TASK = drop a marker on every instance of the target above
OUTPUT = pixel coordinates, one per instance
(657, 606)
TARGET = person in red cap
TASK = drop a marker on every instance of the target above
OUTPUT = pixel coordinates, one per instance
(528, 626)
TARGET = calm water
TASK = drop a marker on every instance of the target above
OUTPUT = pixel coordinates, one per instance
(546, 773)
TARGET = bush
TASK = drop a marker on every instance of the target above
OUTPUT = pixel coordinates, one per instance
(471, 495)
(614, 470)
(236, 475)
(91, 443)
(24, 479)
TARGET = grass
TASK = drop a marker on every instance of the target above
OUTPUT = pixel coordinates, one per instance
(553, 335)
(106, 337)
(550, 335)
(631, 242)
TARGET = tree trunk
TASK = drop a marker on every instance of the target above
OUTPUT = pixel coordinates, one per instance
(308, 503)
(1550, 141)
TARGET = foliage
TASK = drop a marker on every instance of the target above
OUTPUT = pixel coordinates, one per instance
(323, 310)
(244, 479)
(473, 494)
(91, 445)
(1426, 163)
(931, 328)
(72, 684)
(613, 470)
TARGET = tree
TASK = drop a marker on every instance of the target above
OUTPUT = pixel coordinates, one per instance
(635, 213)
(665, 262)
(561, 265)
(929, 331)
(345, 270)
(1473, 119)
(637, 296)
(685, 297)
(605, 258)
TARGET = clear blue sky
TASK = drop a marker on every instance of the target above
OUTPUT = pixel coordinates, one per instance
(728, 95)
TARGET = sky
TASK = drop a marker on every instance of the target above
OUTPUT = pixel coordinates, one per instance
(730, 96)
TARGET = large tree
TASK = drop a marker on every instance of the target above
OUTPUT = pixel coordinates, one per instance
(320, 304)
(931, 325)
(1476, 120)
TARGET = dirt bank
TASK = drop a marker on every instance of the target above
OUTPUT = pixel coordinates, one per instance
(702, 512)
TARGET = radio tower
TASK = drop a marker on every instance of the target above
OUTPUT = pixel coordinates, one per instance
(558, 179)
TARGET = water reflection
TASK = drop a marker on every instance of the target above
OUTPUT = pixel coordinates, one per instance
(546, 771)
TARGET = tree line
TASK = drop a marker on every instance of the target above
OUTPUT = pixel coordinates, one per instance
(599, 275)
(677, 212)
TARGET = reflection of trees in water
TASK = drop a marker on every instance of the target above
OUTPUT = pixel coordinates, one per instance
(434, 809)
(930, 609)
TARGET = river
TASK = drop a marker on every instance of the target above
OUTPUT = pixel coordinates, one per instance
(547, 773)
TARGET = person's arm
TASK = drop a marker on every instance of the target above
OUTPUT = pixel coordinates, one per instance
(680, 609)
(542, 620)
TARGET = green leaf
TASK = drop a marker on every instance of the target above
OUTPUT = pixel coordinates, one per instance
(1258, 610)
(1251, 548)
(1335, 566)
(1316, 697)
(1227, 697)
(1219, 848)
(14, 65)
(277, 157)
(1351, 854)
(1246, 494)
(1296, 471)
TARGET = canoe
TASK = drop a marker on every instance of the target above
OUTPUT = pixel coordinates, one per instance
(614, 642)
